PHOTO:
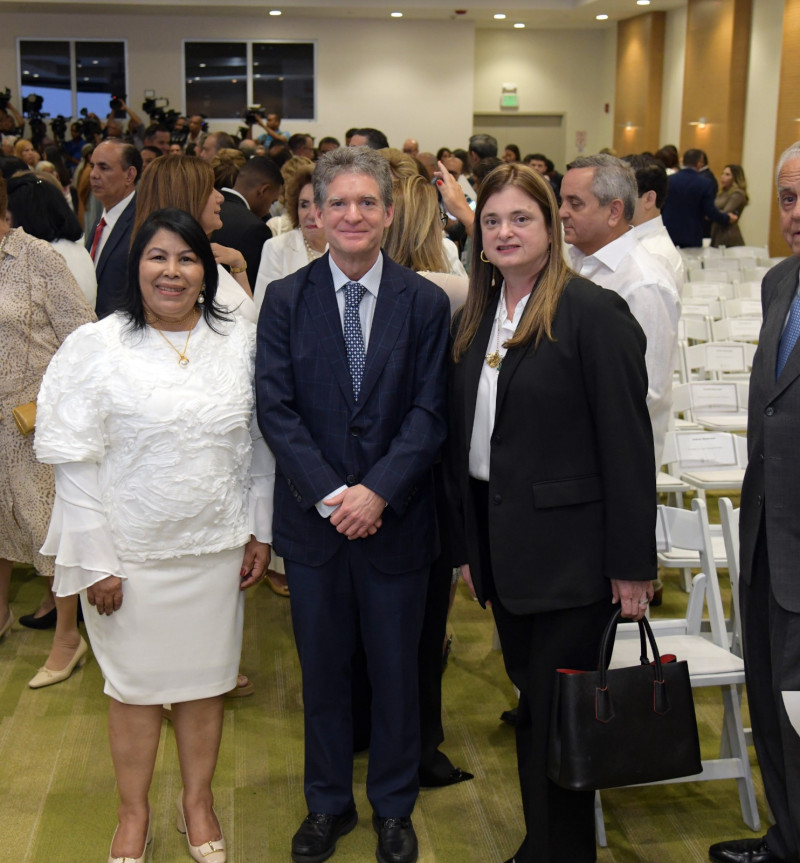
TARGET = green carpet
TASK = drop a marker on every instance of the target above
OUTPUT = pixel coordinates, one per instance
(58, 800)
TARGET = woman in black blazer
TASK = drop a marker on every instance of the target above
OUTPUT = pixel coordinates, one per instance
(551, 466)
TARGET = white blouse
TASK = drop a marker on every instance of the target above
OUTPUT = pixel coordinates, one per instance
(172, 461)
(486, 403)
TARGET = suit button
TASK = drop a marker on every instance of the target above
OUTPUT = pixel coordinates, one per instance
(769, 411)
(758, 500)
(355, 432)
(761, 456)
(351, 479)
(498, 498)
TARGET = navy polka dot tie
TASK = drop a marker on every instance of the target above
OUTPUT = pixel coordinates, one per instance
(353, 337)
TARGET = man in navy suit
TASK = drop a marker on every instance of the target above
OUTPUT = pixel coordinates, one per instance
(690, 201)
(351, 398)
(116, 166)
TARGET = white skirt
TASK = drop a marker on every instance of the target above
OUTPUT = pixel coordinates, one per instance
(178, 634)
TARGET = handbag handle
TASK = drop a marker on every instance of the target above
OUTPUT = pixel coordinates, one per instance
(604, 709)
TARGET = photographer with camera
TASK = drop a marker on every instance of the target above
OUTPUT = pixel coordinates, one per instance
(12, 123)
(273, 134)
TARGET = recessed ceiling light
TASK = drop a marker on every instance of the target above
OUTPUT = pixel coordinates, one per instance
(642, 2)
(397, 14)
(519, 26)
(275, 12)
(500, 16)
(601, 17)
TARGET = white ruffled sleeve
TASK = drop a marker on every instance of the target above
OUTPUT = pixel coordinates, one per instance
(79, 536)
(70, 408)
(262, 485)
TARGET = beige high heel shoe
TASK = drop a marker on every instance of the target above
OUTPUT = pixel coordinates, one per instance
(140, 859)
(208, 852)
(45, 677)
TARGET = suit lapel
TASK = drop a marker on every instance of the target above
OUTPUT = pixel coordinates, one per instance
(786, 289)
(320, 298)
(391, 311)
(119, 231)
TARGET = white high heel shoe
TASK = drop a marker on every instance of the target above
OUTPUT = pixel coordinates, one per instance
(140, 859)
(209, 852)
(47, 677)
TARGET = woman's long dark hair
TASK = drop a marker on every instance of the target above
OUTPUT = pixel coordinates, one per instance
(41, 210)
(188, 229)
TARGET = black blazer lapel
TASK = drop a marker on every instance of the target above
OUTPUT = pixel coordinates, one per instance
(118, 233)
(320, 298)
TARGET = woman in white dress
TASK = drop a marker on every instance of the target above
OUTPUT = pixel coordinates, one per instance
(291, 250)
(163, 514)
(187, 183)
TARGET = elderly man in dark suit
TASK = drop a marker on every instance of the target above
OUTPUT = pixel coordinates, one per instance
(770, 544)
(351, 397)
(115, 170)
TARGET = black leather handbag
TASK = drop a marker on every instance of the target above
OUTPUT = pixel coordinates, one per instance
(623, 726)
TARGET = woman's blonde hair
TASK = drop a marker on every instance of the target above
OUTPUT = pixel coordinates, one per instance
(293, 188)
(485, 279)
(400, 164)
(226, 166)
(182, 182)
(414, 239)
(739, 179)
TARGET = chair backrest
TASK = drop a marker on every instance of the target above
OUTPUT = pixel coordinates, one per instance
(729, 517)
(755, 273)
(725, 397)
(746, 252)
(748, 289)
(684, 529)
(715, 276)
(730, 265)
(736, 330)
(694, 329)
(740, 307)
(707, 308)
(707, 290)
(698, 448)
(714, 359)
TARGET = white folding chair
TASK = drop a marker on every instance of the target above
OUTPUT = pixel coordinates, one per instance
(709, 460)
(718, 360)
(748, 289)
(755, 273)
(710, 660)
(746, 252)
(741, 307)
(705, 289)
(714, 405)
(729, 518)
(706, 308)
(694, 329)
(736, 330)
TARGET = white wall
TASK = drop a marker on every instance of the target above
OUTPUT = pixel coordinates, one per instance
(761, 109)
(569, 72)
(672, 84)
(410, 79)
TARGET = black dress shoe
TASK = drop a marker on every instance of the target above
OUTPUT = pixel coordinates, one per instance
(510, 716)
(743, 851)
(46, 621)
(431, 779)
(397, 841)
(315, 841)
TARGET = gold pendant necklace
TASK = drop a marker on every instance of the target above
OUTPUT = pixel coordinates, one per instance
(183, 360)
(495, 360)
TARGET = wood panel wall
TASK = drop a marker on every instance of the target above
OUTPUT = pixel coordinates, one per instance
(715, 79)
(637, 98)
(787, 129)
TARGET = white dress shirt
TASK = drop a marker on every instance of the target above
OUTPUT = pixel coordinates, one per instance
(112, 217)
(371, 280)
(503, 329)
(654, 236)
(645, 283)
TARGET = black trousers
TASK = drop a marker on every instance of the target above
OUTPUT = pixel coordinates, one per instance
(559, 823)
(771, 639)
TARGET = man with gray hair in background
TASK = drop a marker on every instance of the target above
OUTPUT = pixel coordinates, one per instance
(599, 196)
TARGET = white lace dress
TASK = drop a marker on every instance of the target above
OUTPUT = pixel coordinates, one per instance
(161, 478)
